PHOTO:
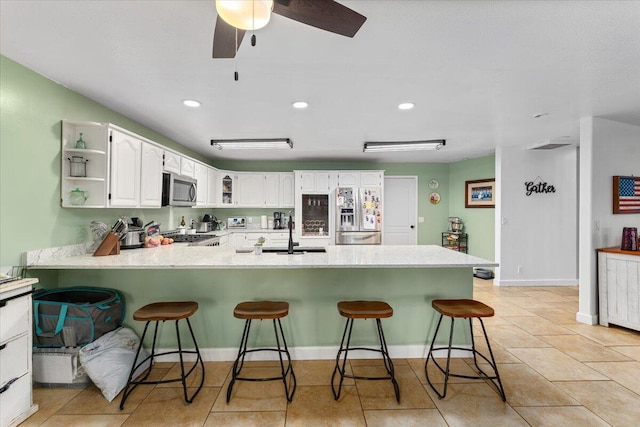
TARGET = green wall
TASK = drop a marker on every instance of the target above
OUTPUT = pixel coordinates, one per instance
(31, 110)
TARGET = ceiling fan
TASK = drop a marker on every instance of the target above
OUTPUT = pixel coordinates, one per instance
(326, 15)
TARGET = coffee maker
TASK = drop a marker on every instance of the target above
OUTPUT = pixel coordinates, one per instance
(279, 220)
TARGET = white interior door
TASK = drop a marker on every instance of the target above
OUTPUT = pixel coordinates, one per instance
(400, 210)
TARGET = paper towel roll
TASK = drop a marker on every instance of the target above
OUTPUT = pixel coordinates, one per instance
(263, 222)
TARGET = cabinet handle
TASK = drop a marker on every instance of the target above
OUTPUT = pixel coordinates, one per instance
(2, 347)
(8, 384)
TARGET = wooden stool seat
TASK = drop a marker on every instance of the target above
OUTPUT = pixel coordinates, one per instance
(158, 311)
(365, 309)
(464, 308)
(261, 310)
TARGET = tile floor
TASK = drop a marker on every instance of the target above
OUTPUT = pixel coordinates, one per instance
(556, 372)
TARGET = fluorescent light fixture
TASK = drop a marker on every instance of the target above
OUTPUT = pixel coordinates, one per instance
(433, 144)
(191, 103)
(300, 104)
(406, 106)
(252, 144)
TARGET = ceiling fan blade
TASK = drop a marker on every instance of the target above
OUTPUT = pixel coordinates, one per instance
(327, 15)
(224, 40)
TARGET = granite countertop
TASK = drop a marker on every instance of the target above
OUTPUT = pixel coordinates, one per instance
(182, 256)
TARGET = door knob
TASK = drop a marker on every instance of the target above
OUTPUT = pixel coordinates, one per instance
(413, 226)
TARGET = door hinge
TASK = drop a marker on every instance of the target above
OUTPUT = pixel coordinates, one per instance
(109, 196)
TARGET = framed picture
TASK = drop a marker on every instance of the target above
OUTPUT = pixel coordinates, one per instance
(626, 194)
(480, 193)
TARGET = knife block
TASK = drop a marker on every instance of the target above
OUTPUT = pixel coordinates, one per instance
(109, 246)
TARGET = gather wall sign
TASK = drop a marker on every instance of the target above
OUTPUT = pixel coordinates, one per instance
(538, 186)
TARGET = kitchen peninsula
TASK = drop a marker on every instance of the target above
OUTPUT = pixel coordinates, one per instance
(407, 277)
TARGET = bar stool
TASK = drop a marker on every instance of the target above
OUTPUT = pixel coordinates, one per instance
(463, 309)
(363, 310)
(160, 312)
(263, 310)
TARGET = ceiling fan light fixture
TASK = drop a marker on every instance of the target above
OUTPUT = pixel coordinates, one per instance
(406, 106)
(300, 105)
(252, 144)
(245, 14)
(377, 147)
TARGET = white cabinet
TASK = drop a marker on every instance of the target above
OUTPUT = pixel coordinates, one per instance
(372, 178)
(172, 162)
(93, 182)
(251, 189)
(226, 183)
(16, 400)
(237, 240)
(151, 176)
(124, 189)
(212, 187)
(348, 179)
(619, 288)
(202, 176)
(313, 181)
(287, 193)
(187, 167)
(271, 195)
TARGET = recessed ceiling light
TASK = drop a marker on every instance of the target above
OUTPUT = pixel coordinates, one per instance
(191, 103)
(406, 106)
(300, 104)
(538, 115)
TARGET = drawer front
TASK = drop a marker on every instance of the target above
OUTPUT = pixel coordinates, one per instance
(14, 359)
(14, 318)
(16, 400)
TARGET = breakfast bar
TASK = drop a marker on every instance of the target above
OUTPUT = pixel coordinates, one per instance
(407, 277)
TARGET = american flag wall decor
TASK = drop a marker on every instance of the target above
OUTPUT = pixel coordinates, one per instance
(626, 194)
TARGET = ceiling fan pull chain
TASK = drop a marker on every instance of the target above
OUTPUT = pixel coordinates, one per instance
(235, 73)
(253, 23)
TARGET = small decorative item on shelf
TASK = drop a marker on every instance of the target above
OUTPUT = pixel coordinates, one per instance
(77, 166)
(258, 246)
(77, 197)
(80, 144)
(629, 239)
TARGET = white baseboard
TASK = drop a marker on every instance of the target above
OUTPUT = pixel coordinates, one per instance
(538, 282)
(589, 319)
(314, 353)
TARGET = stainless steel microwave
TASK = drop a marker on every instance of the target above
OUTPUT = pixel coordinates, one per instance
(178, 190)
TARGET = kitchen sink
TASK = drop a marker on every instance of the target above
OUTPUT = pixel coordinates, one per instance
(296, 250)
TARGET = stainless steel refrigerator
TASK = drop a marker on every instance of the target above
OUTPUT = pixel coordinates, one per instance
(358, 216)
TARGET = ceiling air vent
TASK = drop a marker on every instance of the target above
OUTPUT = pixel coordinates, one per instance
(550, 144)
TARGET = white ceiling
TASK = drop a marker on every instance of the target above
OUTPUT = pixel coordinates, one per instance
(477, 71)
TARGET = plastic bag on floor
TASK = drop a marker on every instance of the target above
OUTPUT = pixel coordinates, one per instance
(108, 360)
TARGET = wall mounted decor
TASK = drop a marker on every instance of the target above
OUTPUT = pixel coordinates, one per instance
(538, 186)
(434, 198)
(480, 193)
(626, 194)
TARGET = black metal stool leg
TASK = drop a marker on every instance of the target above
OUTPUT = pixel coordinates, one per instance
(242, 350)
(195, 343)
(493, 365)
(341, 371)
(289, 366)
(126, 391)
(430, 355)
(388, 363)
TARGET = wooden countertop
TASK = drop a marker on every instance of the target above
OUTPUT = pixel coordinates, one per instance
(617, 250)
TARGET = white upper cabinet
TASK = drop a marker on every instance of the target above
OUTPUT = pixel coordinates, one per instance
(151, 176)
(271, 196)
(371, 178)
(348, 179)
(313, 181)
(172, 162)
(227, 183)
(212, 187)
(287, 193)
(187, 167)
(84, 186)
(251, 189)
(202, 176)
(124, 190)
